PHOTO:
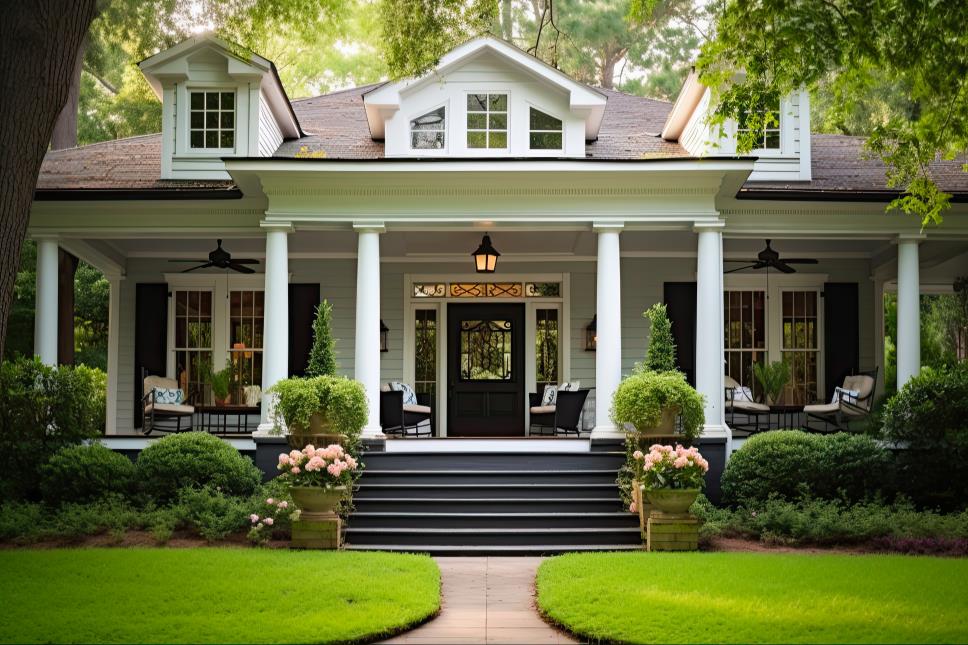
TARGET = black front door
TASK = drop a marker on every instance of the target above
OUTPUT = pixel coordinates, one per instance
(485, 367)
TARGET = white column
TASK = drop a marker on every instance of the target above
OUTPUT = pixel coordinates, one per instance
(608, 347)
(367, 347)
(275, 342)
(709, 327)
(45, 312)
(114, 363)
(908, 310)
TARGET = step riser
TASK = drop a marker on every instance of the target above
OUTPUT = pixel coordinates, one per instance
(370, 477)
(493, 461)
(488, 506)
(361, 537)
(483, 492)
(540, 550)
(362, 521)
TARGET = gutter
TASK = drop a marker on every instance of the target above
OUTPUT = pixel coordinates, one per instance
(135, 194)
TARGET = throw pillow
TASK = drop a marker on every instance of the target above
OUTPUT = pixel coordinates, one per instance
(840, 394)
(169, 396)
(742, 393)
(550, 395)
(409, 396)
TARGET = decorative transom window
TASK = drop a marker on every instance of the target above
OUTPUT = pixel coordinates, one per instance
(487, 289)
(487, 120)
(427, 130)
(765, 125)
(545, 131)
(212, 120)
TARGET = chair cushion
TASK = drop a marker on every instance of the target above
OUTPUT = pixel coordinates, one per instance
(409, 396)
(418, 409)
(543, 409)
(862, 384)
(822, 408)
(750, 406)
(169, 408)
(169, 396)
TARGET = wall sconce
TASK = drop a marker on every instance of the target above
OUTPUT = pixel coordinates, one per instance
(485, 257)
(384, 337)
(591, 334)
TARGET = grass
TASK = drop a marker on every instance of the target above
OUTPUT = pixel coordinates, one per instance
(756, 598)
(211, 595)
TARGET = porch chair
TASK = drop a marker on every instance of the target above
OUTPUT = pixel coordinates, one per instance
(738, 399)
(164, 410)
(397, 417)
(851, 402)
(563, 417)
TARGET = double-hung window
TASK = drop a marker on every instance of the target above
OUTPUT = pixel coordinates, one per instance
(745, 329)
(427, 131)
(212, 120)
(487, 121)
(193, 341)
(246, 313)
(763, 125)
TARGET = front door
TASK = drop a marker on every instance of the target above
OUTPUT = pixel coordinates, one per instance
(485, 367)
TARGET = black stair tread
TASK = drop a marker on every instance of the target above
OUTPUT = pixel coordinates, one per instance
(476, 515)
(499, 531)
(466, 471)
(544, 548)
(492, 500)
(478, 453)
(364, 484)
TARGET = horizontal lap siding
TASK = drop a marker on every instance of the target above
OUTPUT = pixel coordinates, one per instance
(269, 134)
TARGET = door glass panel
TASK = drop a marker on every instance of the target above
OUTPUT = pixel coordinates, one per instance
(801, 345)
(485, 350)
(425, 354)
(546, 347)
(745, 317)
(246, 312)
(193, 342)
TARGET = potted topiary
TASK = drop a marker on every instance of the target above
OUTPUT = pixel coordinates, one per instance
(321, 410)
(651, 401)
(221, 383)
(318, 479)
(672, 477)
(772, 378)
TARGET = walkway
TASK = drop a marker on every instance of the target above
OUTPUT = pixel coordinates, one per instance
(486, 600)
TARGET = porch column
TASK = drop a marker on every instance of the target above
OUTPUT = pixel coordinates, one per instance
(608, 347)
(709, 327)
(114, 362)
(275, 342)
(367, 347)
(908, 310)
(45, 312)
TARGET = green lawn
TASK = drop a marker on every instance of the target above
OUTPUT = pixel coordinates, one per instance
(211, 595)
(756, 598)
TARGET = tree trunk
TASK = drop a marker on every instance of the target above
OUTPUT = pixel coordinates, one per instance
(506, 30)
(39, 45)
(65, 128)
(607, 79)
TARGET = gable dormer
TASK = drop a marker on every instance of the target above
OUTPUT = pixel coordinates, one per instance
(486, 98)
(218, 100)
(784, 153)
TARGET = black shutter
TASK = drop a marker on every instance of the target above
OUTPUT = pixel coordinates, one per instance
(680, 300)
(303, 300)
(841, 333)
(150, 338)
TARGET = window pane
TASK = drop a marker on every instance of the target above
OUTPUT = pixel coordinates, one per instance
(477, 102)
(211, 119)
(485, 350)
(211, 139)
(498, 102)
(546, 347)
(498, 140)
(772, 141)
(198, 139)
(228, 100)
(198, 119)
(476, 139)
(545, 141)
(424, 140)
(497, 121)
(542, 121)
(198, 100)
(227, 139)
(431, 121)
(211, 100)
(227, 120)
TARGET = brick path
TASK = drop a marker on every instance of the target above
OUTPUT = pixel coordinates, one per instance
(486, 600)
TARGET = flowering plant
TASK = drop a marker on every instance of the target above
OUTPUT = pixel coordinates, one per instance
(274, 520)
(323, 467)
(668, 467)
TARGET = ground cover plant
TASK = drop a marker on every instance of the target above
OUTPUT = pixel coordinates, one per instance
(211, 595)
(755, 598)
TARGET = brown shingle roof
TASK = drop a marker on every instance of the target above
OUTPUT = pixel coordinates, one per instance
(630, 129)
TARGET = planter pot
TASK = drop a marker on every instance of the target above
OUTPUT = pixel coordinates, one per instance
(319, 433)
(316, 502)
(222, 402)
(666, 427)
(672, 501)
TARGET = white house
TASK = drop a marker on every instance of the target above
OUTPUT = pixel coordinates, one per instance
(374, 198)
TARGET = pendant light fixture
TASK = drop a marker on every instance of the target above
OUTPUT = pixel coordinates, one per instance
(485, 257)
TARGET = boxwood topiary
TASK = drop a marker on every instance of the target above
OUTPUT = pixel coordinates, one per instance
(194, 459)
(84, 474)
(791, 463)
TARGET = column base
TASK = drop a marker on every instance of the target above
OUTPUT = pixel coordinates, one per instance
(607, 434)
(716, 431)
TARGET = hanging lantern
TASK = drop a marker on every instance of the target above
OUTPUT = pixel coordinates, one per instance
(384, 337)
(485, 257)
(591, 334)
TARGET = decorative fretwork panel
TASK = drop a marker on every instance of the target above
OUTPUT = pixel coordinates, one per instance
(542, 289)
(429, 289)
(485, 350)
(487, 289)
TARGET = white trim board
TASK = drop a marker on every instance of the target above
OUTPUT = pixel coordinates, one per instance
(487, 445)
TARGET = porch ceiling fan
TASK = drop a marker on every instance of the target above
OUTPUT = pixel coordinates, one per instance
(770, 259)
(221, 259)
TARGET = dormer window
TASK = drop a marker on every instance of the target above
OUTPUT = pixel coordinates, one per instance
(767, 137)
(487, 121)
(545, 131)
(212, 120)
(427, 130)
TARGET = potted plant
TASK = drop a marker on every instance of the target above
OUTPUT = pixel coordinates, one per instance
(772, 378)
(672, 477)
(651, 401)
(221, 382)
(320, 410)
(318, 479)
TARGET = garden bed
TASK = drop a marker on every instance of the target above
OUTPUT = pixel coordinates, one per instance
(212, 595)
(755, 598)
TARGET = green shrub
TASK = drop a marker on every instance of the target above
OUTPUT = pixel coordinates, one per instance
(44, 409)
(928, 421)
(322, 355)
(340, 399)
(789, 463)
(641, 397)
(85, 473)
(660, 356)
(772, 378)
(194, 459)
(28, 522)
(212, 513)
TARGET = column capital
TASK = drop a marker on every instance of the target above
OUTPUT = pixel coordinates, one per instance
(717, 226)
(607, 226)
(277, 227)
(369, 227)
(917, 238)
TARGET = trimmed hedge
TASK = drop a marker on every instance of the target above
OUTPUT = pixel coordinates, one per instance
(790, 463)
(194, 459)
(84, 474)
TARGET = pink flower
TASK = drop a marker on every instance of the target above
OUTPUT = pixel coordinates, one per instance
(295, 456)
(283, 460)
(309, 450)
(680, 462)
(270, 501)
(254, 518)
(283, 504)
(295, 470)
(633, 508)
(637, 454)
(268, 521)
(333, 469)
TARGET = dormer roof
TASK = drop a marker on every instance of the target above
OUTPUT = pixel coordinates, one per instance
(588, 102)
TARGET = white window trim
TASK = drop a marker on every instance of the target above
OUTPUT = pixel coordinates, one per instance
(787, 122)
(183, 148)
(448, 131)
(551, 113)
(463, 148)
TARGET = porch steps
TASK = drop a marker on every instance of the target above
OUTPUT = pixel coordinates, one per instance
(456, 502)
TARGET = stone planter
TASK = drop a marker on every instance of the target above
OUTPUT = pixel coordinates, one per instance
(666, 427)
(318, 526)
(672, 501)
(319, 433)
(316, 502)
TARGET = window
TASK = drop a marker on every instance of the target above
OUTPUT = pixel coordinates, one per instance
(427, 130)
(193, 342)
(485, 350)
(246, 315)
(801, 345)
(212, 120)
(546, 347)
(487, 120)
(767, 128)
(545, 131)
(425, 354)
(745, 329)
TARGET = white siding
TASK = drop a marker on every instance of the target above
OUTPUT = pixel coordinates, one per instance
(269, 134)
